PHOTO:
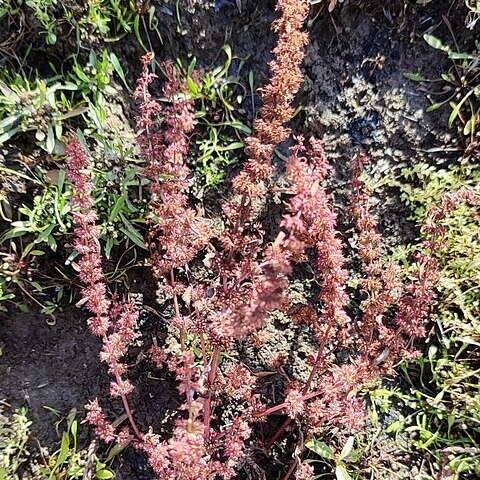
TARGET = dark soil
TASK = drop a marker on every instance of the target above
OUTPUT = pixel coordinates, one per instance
(355, 97)
(49, 366)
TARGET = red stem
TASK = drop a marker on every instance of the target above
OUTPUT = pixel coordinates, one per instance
(317, 360)
(126, 406)
(305, 389)
(182, 336)
(278, 407)
(292, 468)
(278, 433)
(208, 402)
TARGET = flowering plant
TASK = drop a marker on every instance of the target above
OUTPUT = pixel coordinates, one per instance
(248, 279)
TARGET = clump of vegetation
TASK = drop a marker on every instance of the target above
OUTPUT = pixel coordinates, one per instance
(220, 279)
(218, 95)
(459, 91)
(68, 462)
(107, 20)
(447, 400)
(249, 280)
(14, 434)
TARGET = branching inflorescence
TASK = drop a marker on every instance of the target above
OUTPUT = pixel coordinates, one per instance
(248, 279)
(112, 321)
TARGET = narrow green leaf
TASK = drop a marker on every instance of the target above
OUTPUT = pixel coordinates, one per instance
(135, 238)
(460, 56)
(117, 207)
(8, 92)
(232, 146)
(435, 42)
(9, 120)
(115, 450)
(36, 286)
(64, 449)
(52, 243)
(74, 429)
(73, 113)
(8, 135)
(434, 106)
(108, 247)
(118, 68)
(415, 76)
(50, 143)
(469, 126)
(191, 66)
(456, 108)
(61, 179)
(347, 448)
(240, 126)
(342, 473)
(192, 86)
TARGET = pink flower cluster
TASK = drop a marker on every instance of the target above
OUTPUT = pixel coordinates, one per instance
(277, 109)
(311, 223)
(177, 233)
(114, 322)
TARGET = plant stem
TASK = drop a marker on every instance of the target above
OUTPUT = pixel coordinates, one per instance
(292, 468)
(126, 406)
(305, 389)
(208, 402)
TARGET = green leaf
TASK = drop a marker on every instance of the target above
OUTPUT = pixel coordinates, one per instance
(116, 450)
(342, 473)
(51, 39)
(456, 108)
(8, 135)
(74, 429)
(13, 233)
(192, 87)
(347, 448)
(435, 42)
(460, 56)
(43, 237)
(136, 29)
(23, 307)
(134, 237)
(118, 68)
(36, 286)
(61, 179)
(191, 66)
(394, 427)
(73, 113)
(64, 449)
(9, 120)
(132, 233)
(320, 448)
(104, 474)
(50, 144)
(470, 126)
(117, 207)
(446, 77)
(415, 76)
(240, 126)
(232, 146)
(108, 247)
(434, 106)
(51, 242)
(8, 92)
